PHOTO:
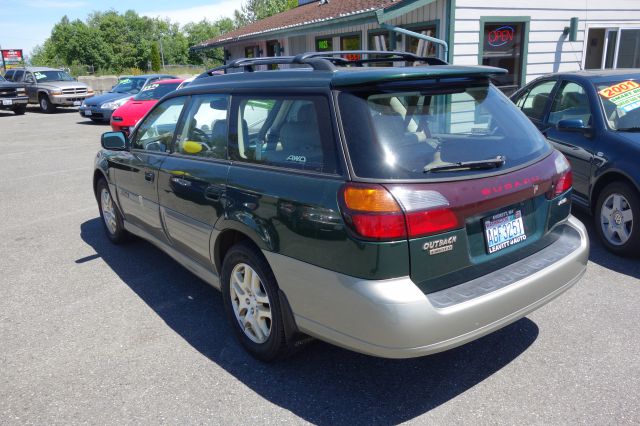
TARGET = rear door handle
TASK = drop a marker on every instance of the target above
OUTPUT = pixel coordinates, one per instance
(149, 176)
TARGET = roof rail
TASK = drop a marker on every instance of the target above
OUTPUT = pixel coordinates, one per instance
(327, 61)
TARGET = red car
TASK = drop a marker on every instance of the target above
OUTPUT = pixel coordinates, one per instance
(128, 115)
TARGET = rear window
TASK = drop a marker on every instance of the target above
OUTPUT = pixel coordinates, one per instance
(397, 134)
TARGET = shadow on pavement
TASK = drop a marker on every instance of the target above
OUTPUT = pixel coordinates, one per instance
(322, 384)
(603, 257)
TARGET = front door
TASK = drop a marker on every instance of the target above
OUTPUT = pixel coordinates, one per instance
(137, 171)
(571, 102)
(192, 180)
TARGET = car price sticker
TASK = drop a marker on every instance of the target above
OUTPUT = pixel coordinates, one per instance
(150, 87)
(504, 230)
(625, 95)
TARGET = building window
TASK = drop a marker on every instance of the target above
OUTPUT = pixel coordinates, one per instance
(351, 42)
(380, 41)
(503, 47)
(612, 48)
(324, 44)
(421, 47)
(251, 51)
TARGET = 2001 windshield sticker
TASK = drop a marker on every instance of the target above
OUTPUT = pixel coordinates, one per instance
(625, 95)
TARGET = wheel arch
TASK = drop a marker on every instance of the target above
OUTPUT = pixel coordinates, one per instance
(224, 241)
(606, 179)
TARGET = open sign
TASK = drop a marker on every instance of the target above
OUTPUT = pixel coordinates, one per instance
(500, 36)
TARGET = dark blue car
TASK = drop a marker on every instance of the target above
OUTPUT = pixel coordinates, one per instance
(593, 118)
(100, 107)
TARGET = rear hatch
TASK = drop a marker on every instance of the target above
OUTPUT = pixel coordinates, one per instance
(454, 168)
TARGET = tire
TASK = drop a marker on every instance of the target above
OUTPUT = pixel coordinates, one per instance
(110, 214)
(45, 104)
(20, 109)
(262, 337)
(617, 218)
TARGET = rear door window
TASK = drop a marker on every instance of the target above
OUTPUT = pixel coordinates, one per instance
(533, 103)
(291, 132)
(404, 134)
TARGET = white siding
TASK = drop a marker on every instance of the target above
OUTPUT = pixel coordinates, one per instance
(548, 50)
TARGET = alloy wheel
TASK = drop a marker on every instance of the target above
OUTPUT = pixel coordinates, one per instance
(108, 211)
(616, 219)
(250, 303)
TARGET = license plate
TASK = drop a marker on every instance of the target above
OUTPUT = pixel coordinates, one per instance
(7, 102)
(77, 103)
(87, 112)
(504, 230)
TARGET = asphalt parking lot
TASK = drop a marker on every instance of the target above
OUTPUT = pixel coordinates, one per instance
(93, 333)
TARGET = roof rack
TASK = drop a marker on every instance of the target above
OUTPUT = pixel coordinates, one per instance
(327, 61)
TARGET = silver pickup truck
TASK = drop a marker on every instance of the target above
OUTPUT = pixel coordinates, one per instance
(50, 87)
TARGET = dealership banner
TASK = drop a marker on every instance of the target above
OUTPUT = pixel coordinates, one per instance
(12, 58)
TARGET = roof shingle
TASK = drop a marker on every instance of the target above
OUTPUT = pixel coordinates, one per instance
(307, 14)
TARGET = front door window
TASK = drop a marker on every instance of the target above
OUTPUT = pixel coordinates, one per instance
(503, 47)
(157, 130)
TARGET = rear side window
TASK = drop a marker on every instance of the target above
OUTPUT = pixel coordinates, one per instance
(533, 102)
(291, 132)
(399, 134)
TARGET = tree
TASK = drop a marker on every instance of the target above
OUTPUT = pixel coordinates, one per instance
(155, 57)
(254, 10)
(204, 30)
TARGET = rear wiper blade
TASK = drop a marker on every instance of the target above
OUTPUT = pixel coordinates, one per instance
(490, 163)
(629, 129)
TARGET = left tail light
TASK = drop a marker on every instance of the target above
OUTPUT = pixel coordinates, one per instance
(563, 180)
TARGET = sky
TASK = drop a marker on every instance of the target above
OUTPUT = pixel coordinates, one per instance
(27, 23)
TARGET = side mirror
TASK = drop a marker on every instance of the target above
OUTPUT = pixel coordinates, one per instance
(571, 125)
(114, 141)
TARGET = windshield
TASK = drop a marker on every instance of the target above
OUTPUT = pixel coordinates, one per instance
(42, 76)
(129, 85)
(155, 91)
(2, 78)
(620, 101)
(421, 133)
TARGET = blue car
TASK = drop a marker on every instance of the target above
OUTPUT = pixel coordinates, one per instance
(593, 118)
(99, 108)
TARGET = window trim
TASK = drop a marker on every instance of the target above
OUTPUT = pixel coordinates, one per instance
(335, 139)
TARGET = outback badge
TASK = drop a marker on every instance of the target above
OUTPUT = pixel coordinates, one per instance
(440, 246)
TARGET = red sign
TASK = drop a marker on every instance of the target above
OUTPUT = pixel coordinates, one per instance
(500, 36)
(352, 57)
(12, 58)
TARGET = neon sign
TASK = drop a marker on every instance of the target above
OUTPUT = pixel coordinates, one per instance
(500, 36)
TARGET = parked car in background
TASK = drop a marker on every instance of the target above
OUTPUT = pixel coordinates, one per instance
(13, 96)
(399, 227)
(127, 116)
(101, 107)
(50, 88)
(593, 117)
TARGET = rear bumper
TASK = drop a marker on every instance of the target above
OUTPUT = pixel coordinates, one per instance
(394, 319)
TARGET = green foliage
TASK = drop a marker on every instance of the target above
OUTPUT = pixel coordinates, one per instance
(113, 41)
(254, 10)
(155, 57)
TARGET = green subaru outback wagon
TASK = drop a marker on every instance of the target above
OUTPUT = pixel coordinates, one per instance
(396, 211)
